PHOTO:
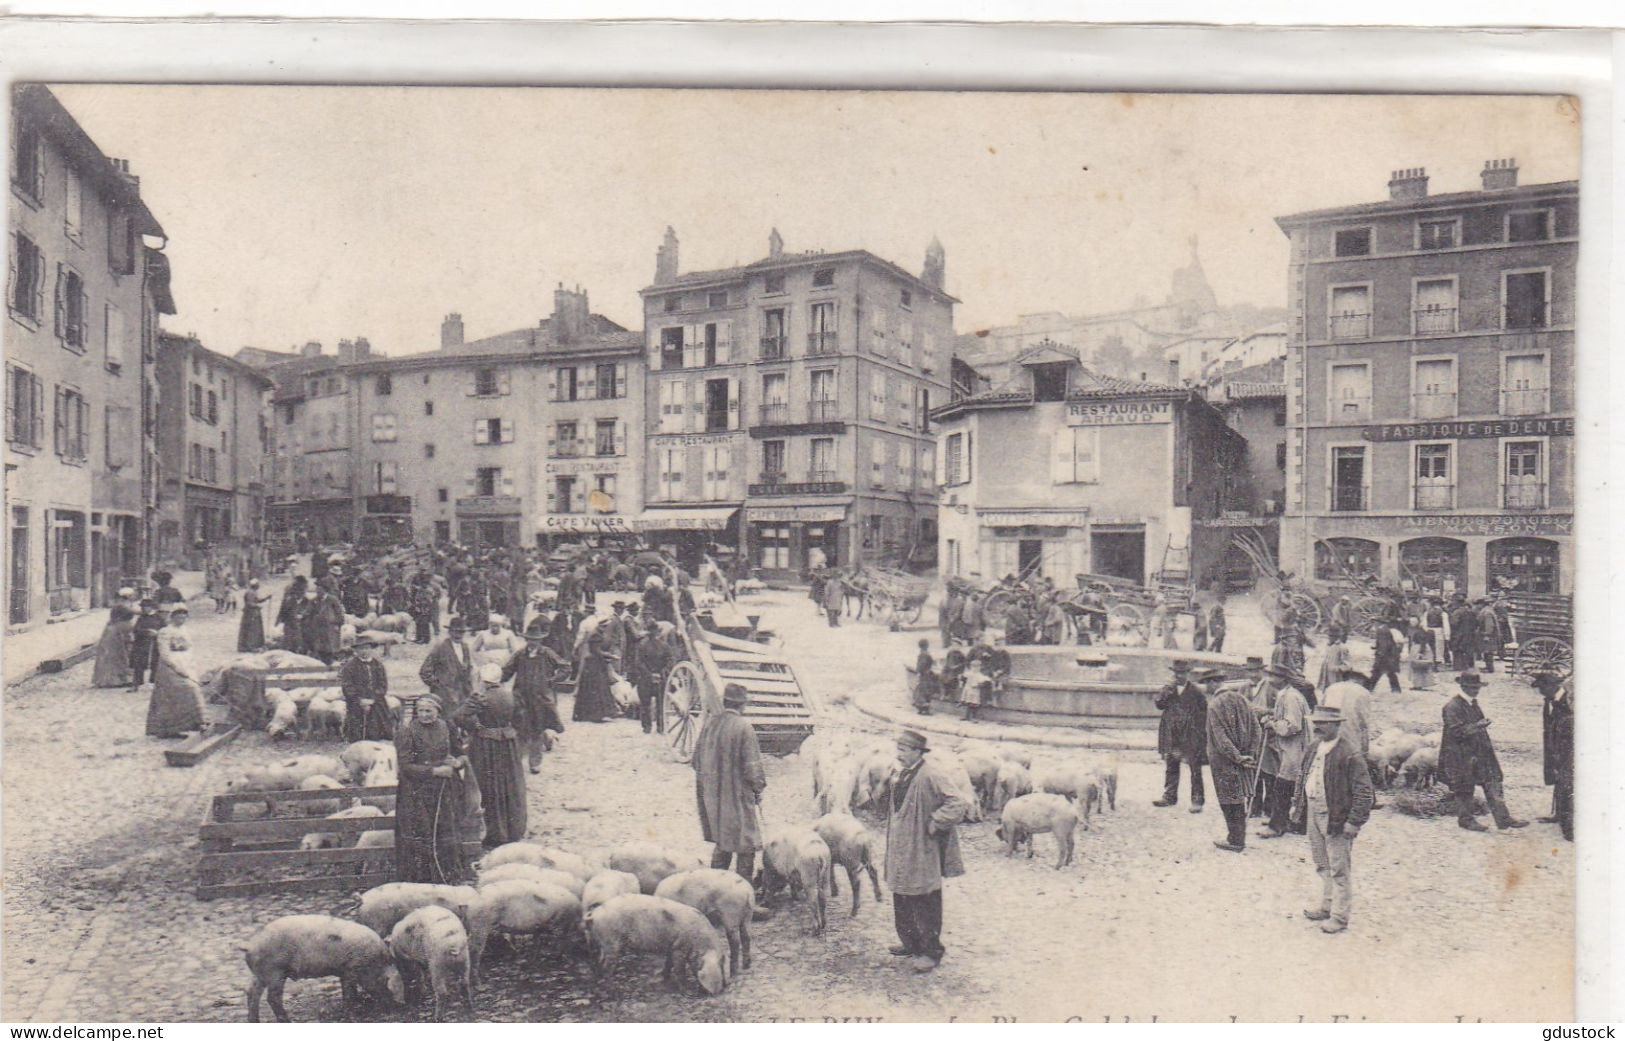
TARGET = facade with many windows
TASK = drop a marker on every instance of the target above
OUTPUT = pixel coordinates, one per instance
(788, 406)
(82, 299)
(508, 440)
(1430, 387)
(213, 441)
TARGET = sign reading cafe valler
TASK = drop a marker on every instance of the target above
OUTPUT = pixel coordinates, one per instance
(1117, 413)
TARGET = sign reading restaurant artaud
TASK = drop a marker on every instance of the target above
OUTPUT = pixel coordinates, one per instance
(1450, 430)
(1117, 413)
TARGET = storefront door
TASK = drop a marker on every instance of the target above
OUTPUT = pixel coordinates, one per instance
(1435, 566)
(1120, 554)
(1031, 557)
(1527, 565)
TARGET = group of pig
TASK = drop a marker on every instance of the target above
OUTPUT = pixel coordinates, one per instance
(1396, 754)
(994, 780)
(371, 764)
(407, 936)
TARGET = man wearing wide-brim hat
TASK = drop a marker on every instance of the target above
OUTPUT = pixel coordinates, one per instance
(536, 712)
(1467, 757)
(1182, 736)
(922, 848)
(1557, 745)
(448, 669)
(728, 784)
(1334, 799)
(1286, 736)
(366, 693)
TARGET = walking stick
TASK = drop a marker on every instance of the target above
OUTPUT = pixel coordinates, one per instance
(1252, 787)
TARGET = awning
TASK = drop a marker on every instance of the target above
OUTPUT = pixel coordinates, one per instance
(709, 519)
(795, 513)
(613, 523)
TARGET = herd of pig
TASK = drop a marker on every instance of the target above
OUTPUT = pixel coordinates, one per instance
(1027, 797)
(371, 764)
(1399, 755)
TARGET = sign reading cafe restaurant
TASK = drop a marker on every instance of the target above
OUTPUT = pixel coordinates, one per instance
(1117, 413)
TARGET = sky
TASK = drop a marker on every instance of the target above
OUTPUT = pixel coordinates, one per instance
(318, 213)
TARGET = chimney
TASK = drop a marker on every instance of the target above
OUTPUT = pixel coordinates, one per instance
(570, 314)
(935, 270)
(1408, 184)
(346, 352)
(451, 331)
(363, 349)
(1499, 173)
(312, 349)
(775, 245)
(666, 259)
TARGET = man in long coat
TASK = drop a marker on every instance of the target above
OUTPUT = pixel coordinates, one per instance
(922, 849)
(448, 669)
(1182, 736)
(365, 685)
(652, 660)
(323, 625)
(1234, 742)
(1490, 637)
(834, 600)
(728, 783)
(1463, 635)
(1467, 757)
(536, 712)
(1286, 738)
(1557, 747)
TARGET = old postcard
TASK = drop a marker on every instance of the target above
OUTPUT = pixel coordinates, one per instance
(874, 556)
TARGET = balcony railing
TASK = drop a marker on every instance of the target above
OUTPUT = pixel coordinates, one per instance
(1351, 409)
(715, 421)
(823, 411)
(1433, 406)
(1434, 319)
(1348, 498)
(1530, 402)
(1526, 316)
(567, 449)
(1351, 325)
(822, 344)
(771, 477)
(778, 412)
(775, 348)
(1523, 496)
(1435, 496)
(821, 476)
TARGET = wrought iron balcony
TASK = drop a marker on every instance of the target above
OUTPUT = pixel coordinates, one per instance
(1523, 495)
(1434, 319)
(1531, 315)
(775, 348)
(1344, 409)
(1351, 325)
(1530, 402)
(823, 411)
(1348, 498)
(820, 345)
(822, 483)
(778, 412)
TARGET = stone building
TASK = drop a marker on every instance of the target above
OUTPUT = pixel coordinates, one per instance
(798, 389)
(1064, 471)
(213, 442)
(82, 301)
(508, 439)
(1430, 387)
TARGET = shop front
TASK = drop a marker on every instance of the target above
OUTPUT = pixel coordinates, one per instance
(786, 540)
(488, 521)
(1441, 554)
(690, 534)
(1055, 543)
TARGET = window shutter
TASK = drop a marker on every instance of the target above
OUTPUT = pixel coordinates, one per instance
(12, 380)
(552, 497)
(507, 486)
(654, 349)
(1086, 454)
(471, 385)
(587, 389)
(928, 466)
(725, 339)
(507, 431)
(85, 324)
(114, 337)
(38, 417)
(725, 462)
(482, 434)
(578, 496)
(733, 402)
(61, 423)
(504, 383)
(970, 457)
(11, 280)
(552, 384)
(928, 353)
(620, 379)
(1060, 471)
(61, 304)
(620, 437)
(691, 407)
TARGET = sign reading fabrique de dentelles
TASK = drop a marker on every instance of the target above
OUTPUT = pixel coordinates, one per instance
(1455, 429)
(1117, 413)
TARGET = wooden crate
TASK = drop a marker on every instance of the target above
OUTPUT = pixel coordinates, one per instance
(245, 689)
(269, 846)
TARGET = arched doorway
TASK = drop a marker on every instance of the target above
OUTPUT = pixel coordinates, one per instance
(1436, 566)
(1527, 565)
(1344, 558)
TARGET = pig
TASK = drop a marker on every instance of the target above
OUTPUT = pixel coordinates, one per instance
(607, 884)
(655, 925)
(305, 946)
(1104, 772)
(381, 907)
(382, 774)
(650, 863)
(284, 714)
(851, 846)
(725, 899)
(1421, 766)
(798, 856)
(380, 838)
(1076, 783)
(435, 939)
(541, 856)
(982, 767)
(1015, 755)
(325, 717)
(324, 807)
(1014, 780)
(1027, 815)
(358, 757)
(554, 876)
(520, 906)
(334, 839)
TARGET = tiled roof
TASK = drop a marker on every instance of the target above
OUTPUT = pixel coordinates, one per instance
(1469, 198)
(692, 278)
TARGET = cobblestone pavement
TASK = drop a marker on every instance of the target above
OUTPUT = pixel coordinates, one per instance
(101, 922)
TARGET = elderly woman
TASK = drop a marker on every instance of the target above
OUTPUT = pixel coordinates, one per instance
(176, 706)
(490, 718)
(113, 649)
(429, 800)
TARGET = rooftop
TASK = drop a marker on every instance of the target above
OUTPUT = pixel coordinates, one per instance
(1476, 197)
(807, 258)
(47, 113)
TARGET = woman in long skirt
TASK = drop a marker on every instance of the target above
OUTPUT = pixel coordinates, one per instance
(251, 630)
(594, 703)
(113, 650)
(291, 614)
(176, 706)
(489, 718)
(428, 799)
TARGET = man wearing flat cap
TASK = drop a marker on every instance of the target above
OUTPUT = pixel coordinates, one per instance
(728, 784)
(1467, 757)
(922, 848)
(1334, 800)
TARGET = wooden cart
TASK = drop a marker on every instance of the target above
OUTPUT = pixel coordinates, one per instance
(1543, 630)
(895, 597)
(779, 709)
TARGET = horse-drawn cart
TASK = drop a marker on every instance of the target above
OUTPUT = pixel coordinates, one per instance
(895, 597)
(1543, 626)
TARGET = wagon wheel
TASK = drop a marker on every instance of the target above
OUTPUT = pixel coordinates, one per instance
(684, 708)
(881, 605)
(996, 604)
(1544, 652)
(1308, 610)
(1129, 618)
(1370, 612)
(915, 611)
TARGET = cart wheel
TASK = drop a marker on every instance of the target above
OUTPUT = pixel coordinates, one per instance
(996, 604)
(915, 613)
(1544, 652)
(1308, 610)
(1370, 612)
(685, 708)
(1129, 618)
(881, 605)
